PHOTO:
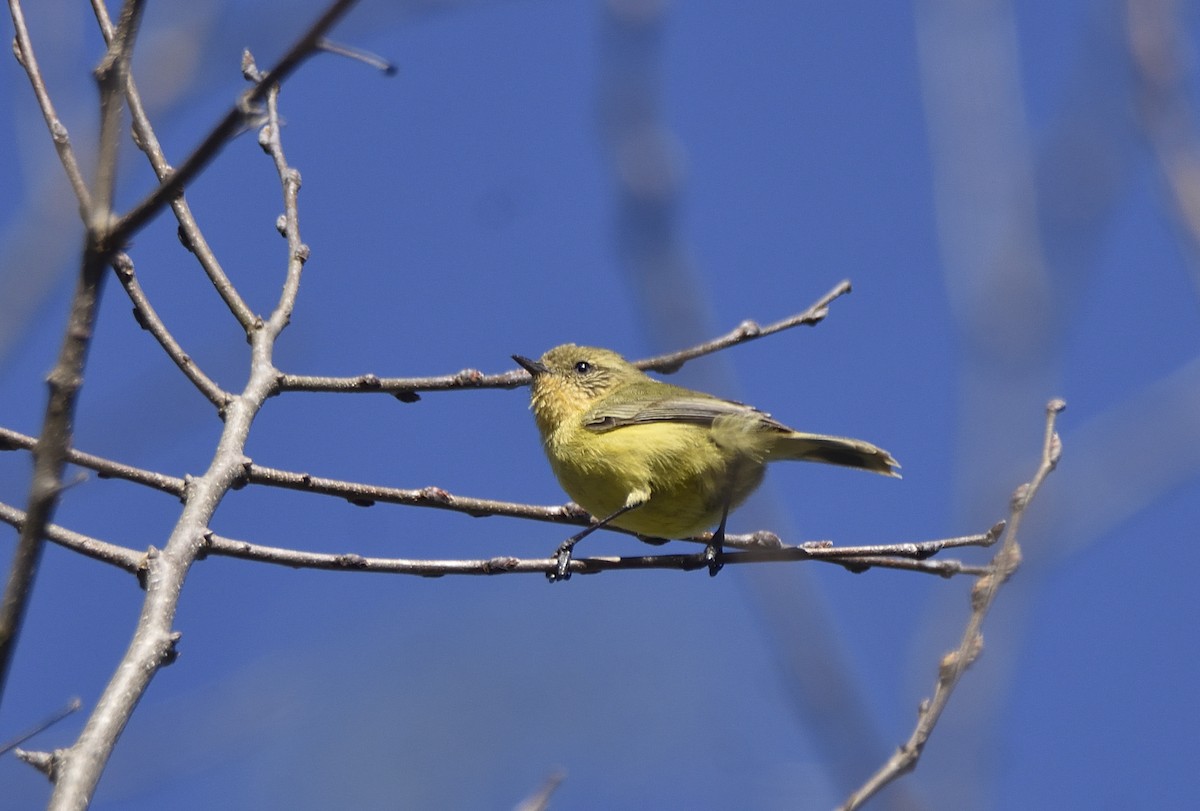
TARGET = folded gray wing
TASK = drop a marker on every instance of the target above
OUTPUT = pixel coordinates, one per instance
(695, 410)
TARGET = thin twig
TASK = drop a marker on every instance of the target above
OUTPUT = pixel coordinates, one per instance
(365, 495)
(916, 550)
(942, 568)
(231, 124)
(407, 388)
(110, 75)
(983, 594)
(23, 50)
(113, 554)
(149, 320)
(189, 231)
(105, 468)
(289, 178)
(50, 454)
(384, 66)
(746, 331)
(72, 706)
(66, 378)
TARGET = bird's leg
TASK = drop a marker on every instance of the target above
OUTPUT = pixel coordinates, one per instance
(563, 553)
(713, 552)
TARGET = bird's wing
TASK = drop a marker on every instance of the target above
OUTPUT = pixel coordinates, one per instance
(695, 410)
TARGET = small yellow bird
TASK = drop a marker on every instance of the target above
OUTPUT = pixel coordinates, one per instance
(660, 460)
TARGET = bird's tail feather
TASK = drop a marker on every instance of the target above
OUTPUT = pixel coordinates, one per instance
(835, 450)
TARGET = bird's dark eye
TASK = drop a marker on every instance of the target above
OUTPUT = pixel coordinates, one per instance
(583, 367)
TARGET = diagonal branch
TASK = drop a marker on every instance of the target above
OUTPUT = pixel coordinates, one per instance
(230, 125)
(110, 76)
(955, 663)
(113, 554)
(189, 231)
(147, 317)
(66, 378)
(105, 468)
(289, 178)
(23, 50)
(746, 331)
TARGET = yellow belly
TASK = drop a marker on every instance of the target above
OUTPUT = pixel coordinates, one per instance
(687, 476)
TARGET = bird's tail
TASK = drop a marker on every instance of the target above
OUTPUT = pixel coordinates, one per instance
(834, 450)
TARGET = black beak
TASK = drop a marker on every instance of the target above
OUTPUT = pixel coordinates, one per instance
(532, 366)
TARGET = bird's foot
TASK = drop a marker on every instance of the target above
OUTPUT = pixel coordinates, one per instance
(562, 569)
(713, 555)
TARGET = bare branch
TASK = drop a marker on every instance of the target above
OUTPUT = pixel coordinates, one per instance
(112, 554)
(66, 378)
(23, 50)
(110, 77)
(855, 559)
(918, 550)
(297, 559)
(365, 495)
(407, 388)
(72, 706)
(955, 663)
(105, 468)
(942, 568)
(230, 125)
(189, 231)
(148, 319)
(745, 332)
(50, 454)
(374, 60)
(289, 178)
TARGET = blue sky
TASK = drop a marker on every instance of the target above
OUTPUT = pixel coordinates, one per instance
(984, 180)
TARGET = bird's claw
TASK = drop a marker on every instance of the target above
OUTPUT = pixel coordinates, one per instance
(712, 557)
(562, 569)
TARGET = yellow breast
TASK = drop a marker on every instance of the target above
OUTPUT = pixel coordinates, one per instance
(683, 470)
